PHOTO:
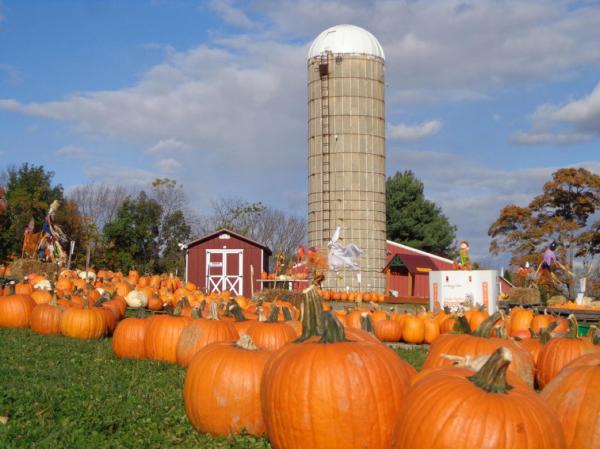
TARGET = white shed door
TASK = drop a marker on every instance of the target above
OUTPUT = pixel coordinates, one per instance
(225, 270)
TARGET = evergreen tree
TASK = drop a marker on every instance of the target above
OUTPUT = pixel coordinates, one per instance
(413, 220)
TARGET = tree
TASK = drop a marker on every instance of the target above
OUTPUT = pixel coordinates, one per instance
(413, 220)
(174, 230)
(281, 232)
(559, 214)
(133, 236)
(29, 193)
(99, 202)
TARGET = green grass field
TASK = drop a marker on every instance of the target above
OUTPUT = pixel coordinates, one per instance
(62, 393)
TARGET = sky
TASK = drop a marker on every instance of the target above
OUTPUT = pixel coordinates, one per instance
(484, 98)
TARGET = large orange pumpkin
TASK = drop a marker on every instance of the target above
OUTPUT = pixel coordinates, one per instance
(388, 329)
(15, 310)
(360, 391)
(271, 334)
(436, 410)
(575, 397)
(559, 352)
(129, 337)
(163, 335)
(222, 388)
(83, 323)
(478, 344)
(45, 318)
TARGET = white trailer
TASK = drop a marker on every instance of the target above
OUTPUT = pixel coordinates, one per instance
(456, 288)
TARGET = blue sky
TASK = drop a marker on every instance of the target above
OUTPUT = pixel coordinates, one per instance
(485, 99)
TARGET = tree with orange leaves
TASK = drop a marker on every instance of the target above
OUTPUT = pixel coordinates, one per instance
(561, 213)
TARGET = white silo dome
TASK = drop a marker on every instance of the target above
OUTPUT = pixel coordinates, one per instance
(346, 39)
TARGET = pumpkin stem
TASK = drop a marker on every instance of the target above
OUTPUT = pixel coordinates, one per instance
(236, 310)
(333, 331)
(492, 375)
(274, 315)
(311, 311)
(287, 314)
(260, 311)
(54, 299)
(196, 313)
(573, 327)
(245, 342)
(366, 322)
(546, 332)
(593, 335)
(461, 325)
(501, 332)
(12, 288)
(485, 328)
(142, 312)
(213, 311)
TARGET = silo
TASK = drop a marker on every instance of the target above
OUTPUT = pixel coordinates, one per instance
(346, 149)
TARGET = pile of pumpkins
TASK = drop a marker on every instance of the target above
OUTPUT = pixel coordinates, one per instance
(327, 381)
(335, 295)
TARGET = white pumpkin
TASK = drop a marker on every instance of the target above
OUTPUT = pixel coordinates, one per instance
(89, 276)
(136, 299)
(43, 285)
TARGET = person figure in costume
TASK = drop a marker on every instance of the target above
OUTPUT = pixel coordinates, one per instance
(465, 259)
(546, 268)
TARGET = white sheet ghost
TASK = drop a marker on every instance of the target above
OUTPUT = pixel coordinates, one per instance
(342, 256)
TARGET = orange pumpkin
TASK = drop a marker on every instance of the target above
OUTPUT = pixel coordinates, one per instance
(349, 373)
(128, 338)
(559, 352)
(45, 318)
(201, 332)
(574, 395)
(222, 388)
(413, 331)
(478, 344)
(271, 334)
(15, 310)
(83, 323)
(499, 417)
(163, 335)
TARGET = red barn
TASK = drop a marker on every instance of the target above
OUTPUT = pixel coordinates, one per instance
(407, 269)
(224, 260)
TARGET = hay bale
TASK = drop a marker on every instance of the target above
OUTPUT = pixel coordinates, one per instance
(557, 300)
(24, 267)
(282, 294)
(522, 295)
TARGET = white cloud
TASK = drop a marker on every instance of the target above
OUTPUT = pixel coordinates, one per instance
(167, 146)
(232, 15)
(118, 175)
(168, 165)
(448, 49)
(577, 121)
(414, 132)
(544, 138)
(71, 151)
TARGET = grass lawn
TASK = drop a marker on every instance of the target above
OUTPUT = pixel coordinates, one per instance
(63, 393)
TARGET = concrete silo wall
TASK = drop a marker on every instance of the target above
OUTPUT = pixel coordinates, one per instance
(346, 161)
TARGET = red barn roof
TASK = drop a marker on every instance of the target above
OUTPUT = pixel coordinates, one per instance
(228, 231)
